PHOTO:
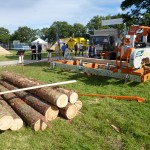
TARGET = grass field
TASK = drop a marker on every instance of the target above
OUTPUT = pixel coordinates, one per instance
(91, 129)
(13, 56)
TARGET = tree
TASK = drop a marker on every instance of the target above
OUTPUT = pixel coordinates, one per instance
(94, 24)
(138, 9)
(24, 34)
(63, 28)
(45, 34)
(4, 35)
(79, 30)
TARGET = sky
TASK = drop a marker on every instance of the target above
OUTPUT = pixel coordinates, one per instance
(38, 14)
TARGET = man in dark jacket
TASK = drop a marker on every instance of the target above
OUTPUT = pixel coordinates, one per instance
(39, 49)
(33, 49)
(91, 51)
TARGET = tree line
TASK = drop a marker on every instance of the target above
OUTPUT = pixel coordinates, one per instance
(138, 13)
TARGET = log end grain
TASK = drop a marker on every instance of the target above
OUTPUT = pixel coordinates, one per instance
(17, 124)
(62, 101)
(78, 104)
(52, 113)
(6, 122)
(69, 112)
(39, 125)
(73, 97)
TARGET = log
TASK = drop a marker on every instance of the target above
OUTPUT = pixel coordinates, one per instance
(78, 104)
(69, 112)
(48, 94)
(72, 96)
(33, 118)
(49, 111)
(5, 118)
(17, 122)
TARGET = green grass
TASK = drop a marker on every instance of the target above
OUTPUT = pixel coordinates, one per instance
(90, 130)
(13, 56)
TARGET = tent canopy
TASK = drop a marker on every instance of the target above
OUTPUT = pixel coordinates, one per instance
(39, 40)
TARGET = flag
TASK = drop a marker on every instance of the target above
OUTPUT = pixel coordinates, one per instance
(57, 37)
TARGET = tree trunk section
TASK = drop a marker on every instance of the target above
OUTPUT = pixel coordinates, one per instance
(6, 119)
(78, 104)
(33, 118)
(17, 122)
(49, 111)
(69, 112)
(48, 94)
(72, 96)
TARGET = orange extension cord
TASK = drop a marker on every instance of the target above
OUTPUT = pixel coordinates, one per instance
(138, 99)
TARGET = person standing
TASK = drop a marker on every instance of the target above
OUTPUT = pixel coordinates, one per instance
(92, 51)
(63, 48)
(39, 49)
(33, 49)
(75, 48)
(67, 52)
(80, 49)
(20, 53)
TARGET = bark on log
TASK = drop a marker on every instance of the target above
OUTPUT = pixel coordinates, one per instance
(78, 104)
(72, 96)
(33, 118)
(49, 111)
(17, 122)
(5, 118)
(48, 94)
(69, 112)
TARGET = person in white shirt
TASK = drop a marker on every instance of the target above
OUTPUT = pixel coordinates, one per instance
(67, 53)
(80, 49)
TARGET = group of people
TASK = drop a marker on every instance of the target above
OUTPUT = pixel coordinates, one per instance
(78, 48)
(36, 51)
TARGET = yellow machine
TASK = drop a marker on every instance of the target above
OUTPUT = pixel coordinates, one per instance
(72, 41)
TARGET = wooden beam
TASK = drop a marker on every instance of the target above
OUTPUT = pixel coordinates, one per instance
(100, 61)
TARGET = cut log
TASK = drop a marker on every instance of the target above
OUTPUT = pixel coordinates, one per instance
(69, 112)
(5, 118)
(17, 122)
(78, 104)
(49, 111)
(33, 118)
(72, 96)
(48, 94)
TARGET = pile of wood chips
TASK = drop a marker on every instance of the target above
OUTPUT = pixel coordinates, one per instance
(3, 51)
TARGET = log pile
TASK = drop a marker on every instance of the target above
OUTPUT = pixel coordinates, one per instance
(37, 106)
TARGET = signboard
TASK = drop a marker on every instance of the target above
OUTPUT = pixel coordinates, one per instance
(16, 42)
(112, 21)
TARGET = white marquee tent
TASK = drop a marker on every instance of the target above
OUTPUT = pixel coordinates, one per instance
(39, 40)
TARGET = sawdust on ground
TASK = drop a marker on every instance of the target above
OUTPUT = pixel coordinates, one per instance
(3, 51)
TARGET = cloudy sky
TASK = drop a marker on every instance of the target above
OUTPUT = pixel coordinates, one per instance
(38, 14)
